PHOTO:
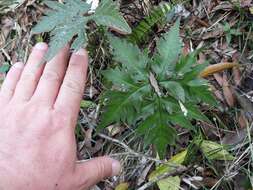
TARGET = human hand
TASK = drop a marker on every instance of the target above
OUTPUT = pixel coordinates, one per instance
(39, 108)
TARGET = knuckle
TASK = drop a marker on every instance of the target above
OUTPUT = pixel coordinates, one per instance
(73, 85)
(28, 76)
(6, 92)
(102, 170)
(51, 76)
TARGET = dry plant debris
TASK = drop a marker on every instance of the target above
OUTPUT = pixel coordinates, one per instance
(222, 32)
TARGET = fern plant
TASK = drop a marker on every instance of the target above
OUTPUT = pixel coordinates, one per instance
(69, 19)
(155, 94)
(157, 15)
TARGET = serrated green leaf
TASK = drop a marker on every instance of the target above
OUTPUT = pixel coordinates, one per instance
(195, 113)
(131, 57)
(186, 63)
(174, 89)
(119, 78)
(80, 41)
(204, 94)
(193, 74)
(122, 106)
(215, 151)
(61, 35)
(69, 19)
(60, 14)
(181, 120)
(169, 48)
(64, 21)
(107, 14)
(156, 125)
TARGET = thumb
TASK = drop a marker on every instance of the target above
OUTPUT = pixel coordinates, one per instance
(93, 171)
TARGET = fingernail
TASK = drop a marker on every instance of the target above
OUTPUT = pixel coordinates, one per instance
(116, 167)
(81, 52)
(41, 46)
(19, 65)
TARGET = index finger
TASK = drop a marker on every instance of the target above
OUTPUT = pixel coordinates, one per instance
(72, 88)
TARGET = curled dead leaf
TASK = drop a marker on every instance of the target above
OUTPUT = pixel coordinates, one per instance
(227, 92)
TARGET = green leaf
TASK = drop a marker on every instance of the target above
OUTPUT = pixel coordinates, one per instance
(87, 104)
(204, 94)
(195, 113)
(197, 82)
(69, 19)
(186, 63)
(62, 35)
(174, 89)
(119, 78)
(80, 41)
(60, 14)
(215, 151)
(4, 68)
(107, 14)
(157, 15)
(181, 120)
(64, 21)
(157, 131)
(169, 48)
(131, 57)
(170, 183)
(122, 106)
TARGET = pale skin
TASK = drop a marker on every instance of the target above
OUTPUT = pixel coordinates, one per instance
(39, 105)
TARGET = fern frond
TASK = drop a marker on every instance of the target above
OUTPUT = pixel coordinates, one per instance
(67, 20)
(157, 15)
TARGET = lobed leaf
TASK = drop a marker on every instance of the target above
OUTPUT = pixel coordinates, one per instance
(169, 48)
(107, 14)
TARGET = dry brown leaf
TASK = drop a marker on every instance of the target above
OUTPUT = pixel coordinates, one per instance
(237, 76)
(154, 84)
(234, 138)
(242, 121)
(202, 58)
(218, 94)
(114, 130)
(209, 181)
(218, 78)
(227, 92)
(218, 32)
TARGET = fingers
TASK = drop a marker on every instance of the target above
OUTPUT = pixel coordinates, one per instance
(31, 74)
(71, 91)
(51, 79)
(10, 82)
(95, 170)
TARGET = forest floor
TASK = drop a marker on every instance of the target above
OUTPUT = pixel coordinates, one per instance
(224, 30)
